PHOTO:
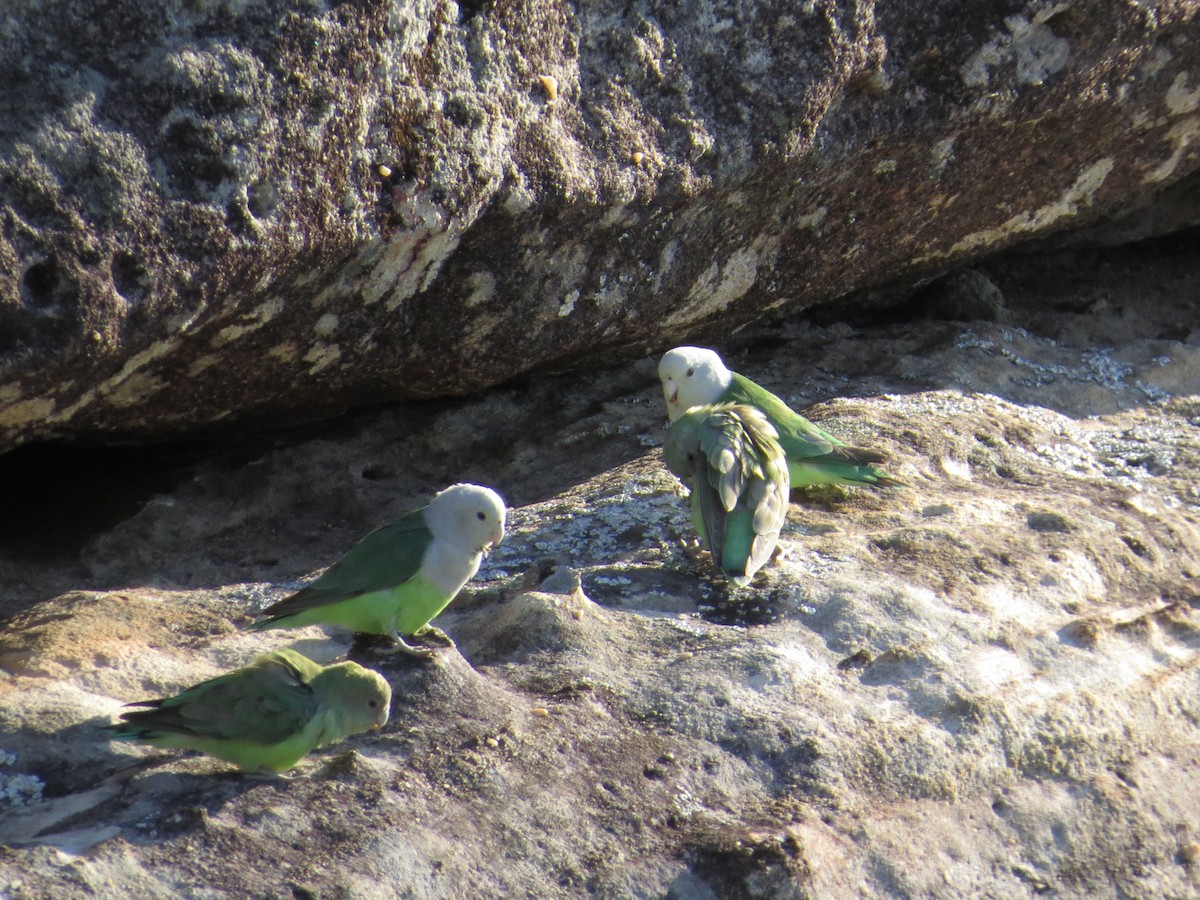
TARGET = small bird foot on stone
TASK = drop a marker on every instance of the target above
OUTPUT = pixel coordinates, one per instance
(401, 646)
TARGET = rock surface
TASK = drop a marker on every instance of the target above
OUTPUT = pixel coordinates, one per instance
(264, 211)
(985, 684)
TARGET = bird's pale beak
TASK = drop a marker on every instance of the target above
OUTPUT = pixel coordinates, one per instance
(672, 395)
(491, 544)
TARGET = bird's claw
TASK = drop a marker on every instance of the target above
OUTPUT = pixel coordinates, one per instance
(401, 646)
(268, 775)
(693, 549)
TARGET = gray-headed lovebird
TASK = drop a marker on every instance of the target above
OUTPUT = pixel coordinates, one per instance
(693, 376)
(398, 577)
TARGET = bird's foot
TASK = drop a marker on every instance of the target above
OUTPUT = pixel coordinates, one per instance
(400, 646)
(270, 775)
(694, 549)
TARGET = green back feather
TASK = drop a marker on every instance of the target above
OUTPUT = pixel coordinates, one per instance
(814, 455)
(384, 559)
(739, 481)
(264, 703)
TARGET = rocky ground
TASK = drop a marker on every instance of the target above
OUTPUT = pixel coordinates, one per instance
(983, 684)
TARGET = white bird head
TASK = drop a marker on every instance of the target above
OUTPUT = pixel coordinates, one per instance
(691, 376)
(469, 516)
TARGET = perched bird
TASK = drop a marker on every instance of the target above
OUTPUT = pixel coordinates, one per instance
(692, 376)
(400, 576)
(729, 456)
(266, 716)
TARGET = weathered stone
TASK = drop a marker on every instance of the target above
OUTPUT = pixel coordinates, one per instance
(966, 295)
(984, 684)
(271, 211)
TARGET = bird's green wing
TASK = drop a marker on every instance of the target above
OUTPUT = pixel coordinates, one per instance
(719, 475)
(738, 474)
(706, 502)
(387, 557)
(745, 498)
(727, 449)
(766, 500)
(680, 447)
(792, 426)
(816, 455)
(305, 669)
(263, 703)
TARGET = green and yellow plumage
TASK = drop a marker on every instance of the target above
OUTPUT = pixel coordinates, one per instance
(729, 457)
(693, 376)
(266, 716)
(376, 588)
(400, 576)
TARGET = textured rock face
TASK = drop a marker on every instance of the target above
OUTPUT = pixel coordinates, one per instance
(214, 211)
(985, 684)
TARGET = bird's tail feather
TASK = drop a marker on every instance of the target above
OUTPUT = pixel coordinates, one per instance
(809, 473)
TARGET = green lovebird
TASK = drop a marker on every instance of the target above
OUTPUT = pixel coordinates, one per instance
(729, 456)
(403, 574)
(692, 376)
(267, 716)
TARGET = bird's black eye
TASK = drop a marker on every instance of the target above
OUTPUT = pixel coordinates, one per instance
(691, 372)
(691, 457)
(372, 703)
(481, 516)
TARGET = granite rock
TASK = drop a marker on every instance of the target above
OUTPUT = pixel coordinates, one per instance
(220, 213)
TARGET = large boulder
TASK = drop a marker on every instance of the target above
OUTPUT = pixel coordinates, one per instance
(984, 684)
(215, 211)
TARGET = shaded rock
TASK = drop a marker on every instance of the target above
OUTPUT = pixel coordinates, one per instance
(279, 212)
(965, 295)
